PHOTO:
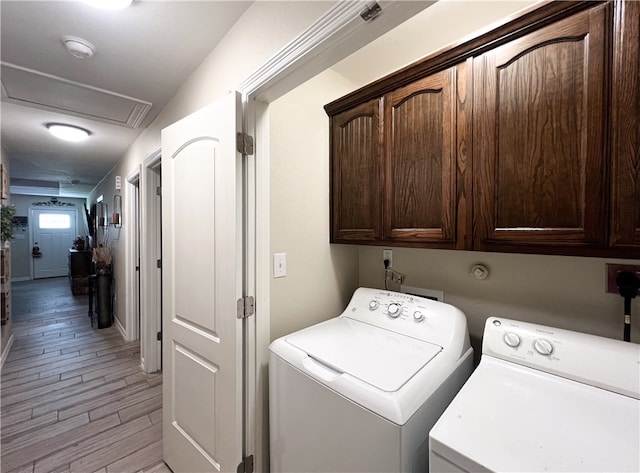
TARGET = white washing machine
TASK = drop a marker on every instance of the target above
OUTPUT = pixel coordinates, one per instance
(360, 392)
(543, 399)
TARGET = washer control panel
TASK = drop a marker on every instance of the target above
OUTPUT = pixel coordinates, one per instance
(403, 307)
(603, 362)
(410, 315)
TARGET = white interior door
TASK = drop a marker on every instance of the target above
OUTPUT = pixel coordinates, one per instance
(202, 260)
(53, 232)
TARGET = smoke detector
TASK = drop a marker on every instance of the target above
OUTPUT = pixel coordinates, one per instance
(78, 47)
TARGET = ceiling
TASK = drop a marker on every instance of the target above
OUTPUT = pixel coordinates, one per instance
(142, 56)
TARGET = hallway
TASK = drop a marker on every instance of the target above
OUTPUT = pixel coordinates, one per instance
(74, 398)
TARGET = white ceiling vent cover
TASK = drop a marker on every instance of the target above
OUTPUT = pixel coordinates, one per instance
(35, 89)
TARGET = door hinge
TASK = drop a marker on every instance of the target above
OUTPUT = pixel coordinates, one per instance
(246, 307)
(159, 264)
(244, 143)
(246, 466)
(159, 191)
(159, 336)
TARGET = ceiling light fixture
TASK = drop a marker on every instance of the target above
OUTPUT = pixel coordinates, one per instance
(68, 132)
(109, 4)
(78, 47)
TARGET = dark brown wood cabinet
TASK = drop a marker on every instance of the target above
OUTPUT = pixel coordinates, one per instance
(356, 174)
(523, 139)
(625, 156)
(420, 161)
(394, 165)
(540, 160)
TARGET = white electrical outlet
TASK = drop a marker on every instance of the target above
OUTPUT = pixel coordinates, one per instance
(387, 255)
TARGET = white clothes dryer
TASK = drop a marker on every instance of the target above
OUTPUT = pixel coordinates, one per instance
(543, 399)
(360, 392)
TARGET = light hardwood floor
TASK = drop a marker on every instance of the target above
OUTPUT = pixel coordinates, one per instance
(74, 398)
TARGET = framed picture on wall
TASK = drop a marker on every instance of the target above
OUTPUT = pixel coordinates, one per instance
(4, 182)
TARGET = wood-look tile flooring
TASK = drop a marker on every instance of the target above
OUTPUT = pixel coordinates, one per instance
(73, 397)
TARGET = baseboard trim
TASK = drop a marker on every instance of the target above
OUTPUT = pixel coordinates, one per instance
(25, 278)
(5, 352)
(121, 329)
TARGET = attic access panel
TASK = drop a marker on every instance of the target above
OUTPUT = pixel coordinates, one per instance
(35, 89)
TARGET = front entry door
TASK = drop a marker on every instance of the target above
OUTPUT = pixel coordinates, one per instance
(53, 233)
(202, 269)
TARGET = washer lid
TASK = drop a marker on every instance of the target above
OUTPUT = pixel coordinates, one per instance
(381, 358)
(511, 418)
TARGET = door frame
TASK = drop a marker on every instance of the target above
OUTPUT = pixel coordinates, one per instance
(334, 36)
(32, 229)
(132, 249)
(150, 274)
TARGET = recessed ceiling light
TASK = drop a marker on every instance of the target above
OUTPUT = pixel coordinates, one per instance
(68, 132)
(109, 4)
(78, 47)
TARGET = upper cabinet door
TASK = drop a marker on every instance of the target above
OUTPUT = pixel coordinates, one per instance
(625, 171)
(356, 174)
(540, 174)
(420, 161)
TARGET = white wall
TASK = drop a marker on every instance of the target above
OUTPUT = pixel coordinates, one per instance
(320, 277)
(264, 29)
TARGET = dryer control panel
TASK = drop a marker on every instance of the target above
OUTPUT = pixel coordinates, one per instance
(607, 363)
(414, 316)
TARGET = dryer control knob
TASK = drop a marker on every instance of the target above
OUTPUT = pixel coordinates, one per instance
(511, 339)
(543, 346)
(418, 316)
(373, 305)
(394, 310)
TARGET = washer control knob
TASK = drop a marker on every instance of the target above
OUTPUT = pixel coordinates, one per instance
(543, 346)
(418, 316)
(373, 304)
(511, 339)
(394, 310)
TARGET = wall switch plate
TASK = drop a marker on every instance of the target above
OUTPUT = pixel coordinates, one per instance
(612, 273)
(279, 265)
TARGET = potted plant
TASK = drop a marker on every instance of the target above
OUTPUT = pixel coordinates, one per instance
(6, 223)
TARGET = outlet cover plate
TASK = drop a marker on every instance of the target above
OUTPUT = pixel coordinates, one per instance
(612, 272)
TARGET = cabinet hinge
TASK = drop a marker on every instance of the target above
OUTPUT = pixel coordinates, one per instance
(246, 466)
(159, 264)
(159, 336)
(244, 143)
(246, 307)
